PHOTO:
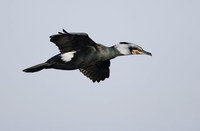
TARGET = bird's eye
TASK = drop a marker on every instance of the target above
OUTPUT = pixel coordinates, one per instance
(132, 48)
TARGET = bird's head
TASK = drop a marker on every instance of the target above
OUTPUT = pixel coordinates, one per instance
(126, 48)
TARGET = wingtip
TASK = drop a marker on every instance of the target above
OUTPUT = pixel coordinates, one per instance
(60, 33)
(65, 31)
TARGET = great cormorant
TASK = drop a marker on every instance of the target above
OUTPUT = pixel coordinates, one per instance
(78, 51)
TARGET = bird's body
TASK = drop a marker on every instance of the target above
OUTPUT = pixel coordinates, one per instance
(78, 51)
(82, 58)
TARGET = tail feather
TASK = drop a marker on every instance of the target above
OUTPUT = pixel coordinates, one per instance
(37, 67)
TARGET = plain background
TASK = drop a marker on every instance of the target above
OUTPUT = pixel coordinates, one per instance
(143, 93)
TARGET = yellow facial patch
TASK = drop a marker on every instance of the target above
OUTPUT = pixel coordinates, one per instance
(135, 52)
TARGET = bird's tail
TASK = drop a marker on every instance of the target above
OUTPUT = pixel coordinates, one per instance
(37, 67)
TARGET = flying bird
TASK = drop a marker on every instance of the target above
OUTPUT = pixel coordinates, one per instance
(79, 51)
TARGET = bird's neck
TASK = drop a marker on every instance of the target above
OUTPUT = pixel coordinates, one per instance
(113, 52)
(106, 53)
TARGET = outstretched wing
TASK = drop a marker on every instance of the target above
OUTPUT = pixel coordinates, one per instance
(67, 42)
(97, 72)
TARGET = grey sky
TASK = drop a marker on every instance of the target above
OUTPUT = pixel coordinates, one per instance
(158, 93)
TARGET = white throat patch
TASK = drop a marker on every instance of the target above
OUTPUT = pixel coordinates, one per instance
(123, 48)
(66, 57)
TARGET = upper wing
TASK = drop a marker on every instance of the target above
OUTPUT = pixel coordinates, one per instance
(97, 72)
(71, 41)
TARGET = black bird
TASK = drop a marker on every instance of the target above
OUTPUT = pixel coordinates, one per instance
(78, 51)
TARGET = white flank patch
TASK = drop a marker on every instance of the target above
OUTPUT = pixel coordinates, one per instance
(66, 57)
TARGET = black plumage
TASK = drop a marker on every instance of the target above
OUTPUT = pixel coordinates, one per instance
(79, 51)
(67, 42)
(97, 72)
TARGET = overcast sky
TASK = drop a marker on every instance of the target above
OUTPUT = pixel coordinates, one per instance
(143, 93)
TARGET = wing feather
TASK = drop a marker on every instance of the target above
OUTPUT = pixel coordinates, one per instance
(67, 42)
(97, 72)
